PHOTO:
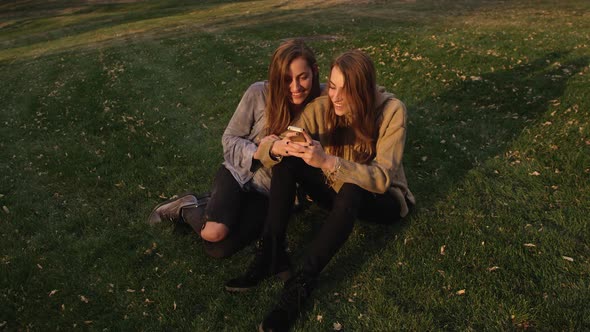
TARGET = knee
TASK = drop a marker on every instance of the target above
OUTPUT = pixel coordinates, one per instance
(214, 232)
(349, 194)
(348, 199)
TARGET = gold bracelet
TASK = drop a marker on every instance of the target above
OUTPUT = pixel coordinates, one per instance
(331, 174)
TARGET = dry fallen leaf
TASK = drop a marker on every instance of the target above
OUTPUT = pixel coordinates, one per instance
(129, 290)
(337, 326)
(442, 249)
(52, 292)
(535, 173)
(319, 318)
(174, 306)
(569, 259)
(493, 268)
(460, 292)
(529, 245)
(84, 299)
(5, 209)
(148, 251)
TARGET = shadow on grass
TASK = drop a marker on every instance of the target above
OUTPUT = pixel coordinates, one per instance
(489, 114)
(500, 105)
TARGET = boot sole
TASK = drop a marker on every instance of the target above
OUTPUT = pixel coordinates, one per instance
(283, 276)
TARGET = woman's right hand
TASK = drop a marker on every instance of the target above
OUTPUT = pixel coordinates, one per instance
(258, 153)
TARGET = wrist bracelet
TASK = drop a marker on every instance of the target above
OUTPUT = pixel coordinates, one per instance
(272, 156)
(275, 158)
(331, 174)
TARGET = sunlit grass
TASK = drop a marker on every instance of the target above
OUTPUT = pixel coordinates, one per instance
(119, 27)
(107, 109)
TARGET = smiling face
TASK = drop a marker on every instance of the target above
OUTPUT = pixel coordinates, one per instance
(300, 80)
(337, 93)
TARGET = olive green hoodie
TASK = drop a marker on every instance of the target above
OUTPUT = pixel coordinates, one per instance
(385, 173)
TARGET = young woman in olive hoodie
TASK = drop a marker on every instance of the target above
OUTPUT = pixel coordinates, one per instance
(350, 164)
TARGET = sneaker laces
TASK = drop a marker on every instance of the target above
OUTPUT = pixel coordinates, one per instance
(168, 215)
(173, 210)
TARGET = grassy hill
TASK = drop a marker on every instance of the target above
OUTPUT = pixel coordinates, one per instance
(109, 107)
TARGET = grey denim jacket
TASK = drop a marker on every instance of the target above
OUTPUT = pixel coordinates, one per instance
(241, 137)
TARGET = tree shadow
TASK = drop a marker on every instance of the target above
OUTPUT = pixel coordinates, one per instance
(490, 111)
(489, 114)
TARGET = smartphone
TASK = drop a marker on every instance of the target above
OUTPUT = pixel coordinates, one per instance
(299, 138)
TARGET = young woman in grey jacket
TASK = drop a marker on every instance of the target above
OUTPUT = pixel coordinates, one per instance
(233, 215)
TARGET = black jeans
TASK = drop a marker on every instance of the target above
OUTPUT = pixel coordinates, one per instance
(345, 206)
(243, 212)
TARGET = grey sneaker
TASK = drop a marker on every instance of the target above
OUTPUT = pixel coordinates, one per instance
(170, 209)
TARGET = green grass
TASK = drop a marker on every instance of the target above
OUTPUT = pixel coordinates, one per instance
(106, 109)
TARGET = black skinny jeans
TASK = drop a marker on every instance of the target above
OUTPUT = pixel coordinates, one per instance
(345, 206)
(241, 211)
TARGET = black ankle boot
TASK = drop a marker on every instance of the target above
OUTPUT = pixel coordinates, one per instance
(262, 267)
(295, 292)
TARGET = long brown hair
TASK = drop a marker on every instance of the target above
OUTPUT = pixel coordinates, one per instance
(359, 89)
(278, 113)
